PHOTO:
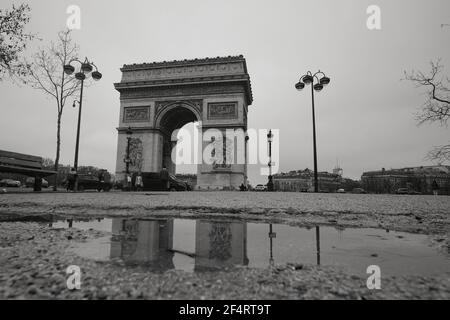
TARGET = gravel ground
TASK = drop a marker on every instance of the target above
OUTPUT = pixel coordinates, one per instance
(34, 258)
(419, 214)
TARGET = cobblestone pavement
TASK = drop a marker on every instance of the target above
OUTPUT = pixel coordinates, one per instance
(34, 257)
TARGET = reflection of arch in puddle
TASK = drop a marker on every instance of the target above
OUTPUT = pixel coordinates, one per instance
(220, 244)
(149, 243)
(146, 242)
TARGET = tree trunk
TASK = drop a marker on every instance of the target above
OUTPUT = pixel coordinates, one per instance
(58, 146)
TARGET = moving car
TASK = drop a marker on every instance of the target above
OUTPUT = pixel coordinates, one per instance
(29, 183)
(260, 187)
(177, 184)
(10, 183)
(88, 182)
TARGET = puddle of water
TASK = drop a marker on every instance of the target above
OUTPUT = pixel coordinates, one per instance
(198, 245)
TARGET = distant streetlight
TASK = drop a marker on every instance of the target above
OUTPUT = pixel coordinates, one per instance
(269, 140)
(317, 84)
(86, 68)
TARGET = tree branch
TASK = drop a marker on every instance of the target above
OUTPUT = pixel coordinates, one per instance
(437, 106)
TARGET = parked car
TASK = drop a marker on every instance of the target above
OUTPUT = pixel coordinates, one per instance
(340, 190)
(406, 191)
(359, 190)
(260, 187)
(87, 182)
(29, 183)
(152, 181)
(402, 191)
(10, 183)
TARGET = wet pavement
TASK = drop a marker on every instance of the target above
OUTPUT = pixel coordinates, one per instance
(211, 245)
(162, 245)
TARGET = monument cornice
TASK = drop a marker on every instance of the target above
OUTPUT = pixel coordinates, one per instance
(145, 129)
(195, 81)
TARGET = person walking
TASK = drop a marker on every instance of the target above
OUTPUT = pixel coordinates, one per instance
(139, 184)
(164, 176)
(128, 187)
(435, 187)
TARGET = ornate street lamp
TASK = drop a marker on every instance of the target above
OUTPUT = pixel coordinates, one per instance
(317, 81)
(270, 140)
(127, 159)
(85, 71)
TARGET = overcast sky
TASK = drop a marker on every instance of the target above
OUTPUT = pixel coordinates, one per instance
(365, 117)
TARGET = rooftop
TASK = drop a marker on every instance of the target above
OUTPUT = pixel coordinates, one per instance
(185, 62)
(439, 169)
(303, 173)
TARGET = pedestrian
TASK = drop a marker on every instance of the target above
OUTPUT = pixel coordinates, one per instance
(139, 184)
(128, 187)
(435, 187)
(164, 176)
(101, 175)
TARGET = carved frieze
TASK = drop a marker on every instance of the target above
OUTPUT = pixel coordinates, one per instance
(136, 114)
(162, 92)
(222, 110)
(183, 71)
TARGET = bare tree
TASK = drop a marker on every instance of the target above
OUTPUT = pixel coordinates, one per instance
(13, 40)
(47, 75)
(436, 107)
(48, 163)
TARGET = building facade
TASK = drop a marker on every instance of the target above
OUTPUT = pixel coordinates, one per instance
(303, 181)
(415, 179)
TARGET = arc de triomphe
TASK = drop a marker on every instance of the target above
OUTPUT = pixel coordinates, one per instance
(158, 98)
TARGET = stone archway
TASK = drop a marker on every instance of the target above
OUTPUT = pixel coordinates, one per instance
(158, 98)
(170, 117)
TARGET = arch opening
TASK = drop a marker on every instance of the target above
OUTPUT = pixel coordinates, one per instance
(177, 123)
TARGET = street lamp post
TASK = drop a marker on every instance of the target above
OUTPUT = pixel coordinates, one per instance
(270, 182)
(127, 159)
(86, 68)
(317, 84)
